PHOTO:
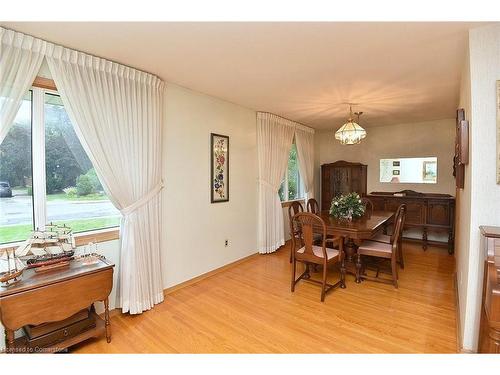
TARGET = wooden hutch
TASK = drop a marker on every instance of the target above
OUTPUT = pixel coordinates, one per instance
(341, 177)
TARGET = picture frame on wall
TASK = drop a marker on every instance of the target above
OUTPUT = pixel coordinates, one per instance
(219, 168)
(429, 171)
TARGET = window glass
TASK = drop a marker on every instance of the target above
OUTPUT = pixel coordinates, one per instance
(291, 186)
(75, 195)
(16, 203)
(293, 175)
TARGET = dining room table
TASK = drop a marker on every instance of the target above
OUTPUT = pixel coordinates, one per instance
(353, 232)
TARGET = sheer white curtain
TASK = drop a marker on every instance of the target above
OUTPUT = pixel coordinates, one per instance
(304, 139)
(20, 59)
(117, 115)
(274, 140)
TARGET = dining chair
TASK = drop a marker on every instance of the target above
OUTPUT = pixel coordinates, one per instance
(381, 250)
(368, 205)
(294, 208)
(384, 238)
(312, 206)
(306, 252)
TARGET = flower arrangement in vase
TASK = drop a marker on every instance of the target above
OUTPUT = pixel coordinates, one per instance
(347, 206)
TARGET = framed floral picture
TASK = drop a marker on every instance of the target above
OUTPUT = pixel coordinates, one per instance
(219, 168)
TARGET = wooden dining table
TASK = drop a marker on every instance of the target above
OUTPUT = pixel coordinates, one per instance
(355, 230)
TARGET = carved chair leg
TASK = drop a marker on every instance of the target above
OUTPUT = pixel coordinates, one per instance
(401, 258)
(394, 269)
(358, 268)
(323, 285)
(424, 238)
(342, 273)
(294, 267)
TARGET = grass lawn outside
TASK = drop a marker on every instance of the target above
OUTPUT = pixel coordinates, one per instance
(65, 197)
(21, 232)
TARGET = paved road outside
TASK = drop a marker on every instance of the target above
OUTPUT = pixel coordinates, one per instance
(18, 210)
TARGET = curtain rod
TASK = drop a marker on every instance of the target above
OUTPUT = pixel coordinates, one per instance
(307, 128)
(89, 54)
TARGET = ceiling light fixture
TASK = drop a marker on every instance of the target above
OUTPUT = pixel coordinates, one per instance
(351, 133)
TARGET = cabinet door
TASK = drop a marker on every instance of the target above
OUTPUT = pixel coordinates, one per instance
(357, 180)
(415, 212)
(438, 213)
(340, 181)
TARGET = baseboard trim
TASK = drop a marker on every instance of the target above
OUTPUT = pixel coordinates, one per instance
(206, 275)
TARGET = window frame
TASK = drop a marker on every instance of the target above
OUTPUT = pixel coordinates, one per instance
(39, 88)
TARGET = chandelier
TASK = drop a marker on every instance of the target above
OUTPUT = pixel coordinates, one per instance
(351, 133)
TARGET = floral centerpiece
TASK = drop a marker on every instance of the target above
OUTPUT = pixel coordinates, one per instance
(347, 206)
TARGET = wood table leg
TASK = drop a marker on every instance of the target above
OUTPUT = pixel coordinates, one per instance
(9, 341)
(450, 242)
(106, 320)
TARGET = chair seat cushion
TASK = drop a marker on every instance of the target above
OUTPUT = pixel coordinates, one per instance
(375, 247)
(318, 251)
(381, 238)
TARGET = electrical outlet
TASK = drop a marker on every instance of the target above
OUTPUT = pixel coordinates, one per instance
(226, 243)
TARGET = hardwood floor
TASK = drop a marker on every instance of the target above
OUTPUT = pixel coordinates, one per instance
(249, 309)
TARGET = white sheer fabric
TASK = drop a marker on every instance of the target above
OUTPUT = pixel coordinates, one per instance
(117, 115)
(274, 140)
(304, 139)
(20, 59)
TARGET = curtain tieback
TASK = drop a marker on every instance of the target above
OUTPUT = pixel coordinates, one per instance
(145, 199)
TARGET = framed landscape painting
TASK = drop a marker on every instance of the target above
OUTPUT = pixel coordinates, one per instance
(219, 168)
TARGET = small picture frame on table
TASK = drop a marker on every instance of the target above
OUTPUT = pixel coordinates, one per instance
(219, 168)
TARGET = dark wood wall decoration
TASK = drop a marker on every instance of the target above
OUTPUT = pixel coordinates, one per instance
(461, 156)
(429, 212)
(339, 178)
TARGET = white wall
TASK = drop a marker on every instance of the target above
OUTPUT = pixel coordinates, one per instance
(484, 50)
(432, 138)
(463, 210)
(194, 229)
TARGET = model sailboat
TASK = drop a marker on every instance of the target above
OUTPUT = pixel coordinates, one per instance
(11, 268)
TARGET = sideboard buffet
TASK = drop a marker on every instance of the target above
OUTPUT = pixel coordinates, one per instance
(427, 211)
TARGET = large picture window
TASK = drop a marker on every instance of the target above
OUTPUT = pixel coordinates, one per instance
(292, 188)
(57, 175)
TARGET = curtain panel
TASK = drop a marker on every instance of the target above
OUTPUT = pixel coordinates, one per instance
(304, 139)
(274, 140)
(20, 59)
(117, 115)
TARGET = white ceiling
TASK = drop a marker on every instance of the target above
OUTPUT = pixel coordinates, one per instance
(396, 72)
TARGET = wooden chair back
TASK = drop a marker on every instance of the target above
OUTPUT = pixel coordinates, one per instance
(294, 208)
(307, 221)
(313, 206)
(368, 205)
(398, 230)
(400, 216)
